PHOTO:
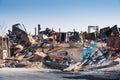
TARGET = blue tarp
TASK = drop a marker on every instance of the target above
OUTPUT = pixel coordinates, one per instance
(86, 51)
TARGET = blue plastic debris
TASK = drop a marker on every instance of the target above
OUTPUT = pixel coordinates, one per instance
(87, 51)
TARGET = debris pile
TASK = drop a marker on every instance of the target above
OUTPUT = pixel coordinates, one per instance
(99, 56)
(54, 49)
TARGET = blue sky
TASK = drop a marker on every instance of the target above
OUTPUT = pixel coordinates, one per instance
(66, 14)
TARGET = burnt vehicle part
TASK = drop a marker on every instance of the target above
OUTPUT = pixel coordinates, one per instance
(57, 62)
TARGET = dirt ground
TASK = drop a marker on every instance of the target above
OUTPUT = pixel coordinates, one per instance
(74, 50)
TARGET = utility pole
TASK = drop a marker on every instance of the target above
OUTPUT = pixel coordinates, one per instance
(35, 31)
(39, 28)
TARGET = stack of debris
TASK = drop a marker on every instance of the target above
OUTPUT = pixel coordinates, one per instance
(20, 48)
(100, 56)
(94, 57)
(24, 48)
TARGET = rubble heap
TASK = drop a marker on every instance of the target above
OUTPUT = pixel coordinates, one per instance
(97, 49)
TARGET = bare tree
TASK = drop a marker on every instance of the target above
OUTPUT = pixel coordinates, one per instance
(3, 28)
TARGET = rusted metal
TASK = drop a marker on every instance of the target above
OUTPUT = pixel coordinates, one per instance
(113, 42)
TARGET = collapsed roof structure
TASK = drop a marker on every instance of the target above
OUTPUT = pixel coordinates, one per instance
(54, 48)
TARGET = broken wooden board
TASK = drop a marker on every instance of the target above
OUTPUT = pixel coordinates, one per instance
(42, 55)
(73, 67)
(53, 50)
